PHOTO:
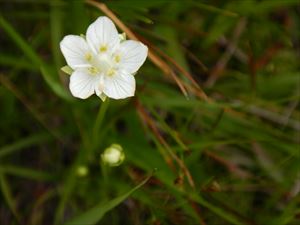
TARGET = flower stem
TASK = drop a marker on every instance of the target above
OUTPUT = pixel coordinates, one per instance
(99, 120)
(105, 184)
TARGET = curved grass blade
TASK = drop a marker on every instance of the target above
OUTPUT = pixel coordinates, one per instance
(8, 196)
(27, 173)
(24, 143)
(95, 214)
(35, 59)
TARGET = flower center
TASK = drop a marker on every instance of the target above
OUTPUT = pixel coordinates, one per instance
(102, 63)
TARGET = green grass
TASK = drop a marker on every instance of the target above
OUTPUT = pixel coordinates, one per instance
(232, 157)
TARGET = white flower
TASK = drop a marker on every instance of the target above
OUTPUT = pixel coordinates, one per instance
(102, 63)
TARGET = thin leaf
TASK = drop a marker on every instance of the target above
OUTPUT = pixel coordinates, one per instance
(95, 214)
(51, 80)
(6, 191)
(26, 173)
(24, 143)
(214, 9)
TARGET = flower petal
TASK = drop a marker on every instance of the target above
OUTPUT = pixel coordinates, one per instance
(132, 55)
(119, 86)
(75, 49)
(82, 85)
(102, 35)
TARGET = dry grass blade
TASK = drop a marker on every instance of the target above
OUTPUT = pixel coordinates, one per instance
(230, 166)
(177, 66)
(221, 64)
(269, 53)
(195, 59)
(185, 73)
(199, 93)
(150, 123)
(147, 122)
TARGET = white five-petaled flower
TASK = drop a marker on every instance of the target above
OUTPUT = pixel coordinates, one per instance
(101, 62)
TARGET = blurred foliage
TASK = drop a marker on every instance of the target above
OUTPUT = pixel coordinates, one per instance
(232, 158)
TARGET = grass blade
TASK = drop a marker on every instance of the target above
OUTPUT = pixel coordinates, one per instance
(24, 143)
(6, 191)
(36, 60)
(26, 173)
(95, 214)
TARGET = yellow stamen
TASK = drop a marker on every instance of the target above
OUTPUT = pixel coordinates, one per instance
(111, 72)
(117, 58)
(93, 70)
(103, 48)
(88, 57)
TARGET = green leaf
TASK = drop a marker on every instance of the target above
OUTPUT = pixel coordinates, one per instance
(48, 75)
(214, 9)
(95, 214)
(217, 210)
(8, 196)
(32, 174)
(67, 70)
(20, 42)
(53, 84)
(24, 143)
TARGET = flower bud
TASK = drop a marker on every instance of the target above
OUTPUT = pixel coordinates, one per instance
(113, 155)
(82, 171)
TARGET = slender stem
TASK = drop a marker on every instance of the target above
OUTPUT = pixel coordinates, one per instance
(105, 178)
(81, 159)
(99, 120)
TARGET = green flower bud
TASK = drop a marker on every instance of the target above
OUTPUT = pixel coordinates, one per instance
(82, 171)
(113, 155)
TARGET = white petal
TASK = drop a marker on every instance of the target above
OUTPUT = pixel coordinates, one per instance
(102, 33)
(100, 86)
(82, 84)
(75, 49)
(121, 85)
(132, 55)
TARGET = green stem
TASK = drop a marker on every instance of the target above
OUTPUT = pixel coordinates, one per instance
(105, 171)
(81, 159)
(99, 120)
